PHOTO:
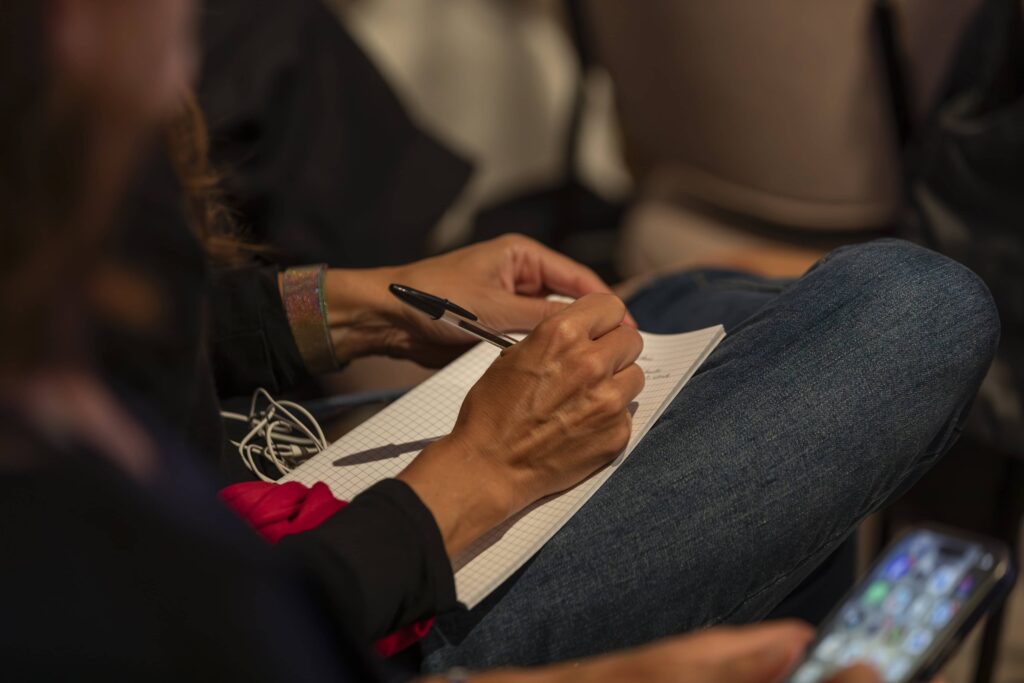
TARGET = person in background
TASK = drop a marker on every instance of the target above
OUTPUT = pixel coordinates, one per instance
(165, 584)
(321, 160)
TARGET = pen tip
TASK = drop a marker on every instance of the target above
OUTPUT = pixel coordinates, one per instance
(426, 303)
(406, 294)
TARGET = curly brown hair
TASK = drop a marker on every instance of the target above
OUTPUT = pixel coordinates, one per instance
(188, 144)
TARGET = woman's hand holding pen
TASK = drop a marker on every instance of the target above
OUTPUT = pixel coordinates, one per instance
(549, 412)
(504, 281)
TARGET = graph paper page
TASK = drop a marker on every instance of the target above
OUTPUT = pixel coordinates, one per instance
(382, 446)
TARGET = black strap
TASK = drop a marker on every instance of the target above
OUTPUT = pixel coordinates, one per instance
(1003, 73)
(887, 31)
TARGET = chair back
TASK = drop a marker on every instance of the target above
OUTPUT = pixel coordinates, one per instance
(778, 110)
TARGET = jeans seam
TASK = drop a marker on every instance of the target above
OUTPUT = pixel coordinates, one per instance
(767, 587)
(951, 431)
(737, 282)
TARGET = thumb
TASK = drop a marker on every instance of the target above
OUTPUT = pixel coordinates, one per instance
(857, 674)
(523, 313)
(762, 666)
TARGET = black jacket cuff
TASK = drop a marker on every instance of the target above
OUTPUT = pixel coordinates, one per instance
(252, 342)
(380, 561)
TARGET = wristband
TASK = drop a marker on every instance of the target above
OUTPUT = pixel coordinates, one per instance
(305, 304)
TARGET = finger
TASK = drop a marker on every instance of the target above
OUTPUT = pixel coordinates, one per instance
(561, 275)
(630, 381)
(861, 673)
(523, 313)
(598, 314)
(732, 641)
(630, 320)
(621, 347)
(766, 665)
(526, 312)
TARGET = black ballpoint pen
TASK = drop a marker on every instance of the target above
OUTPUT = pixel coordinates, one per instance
(445, 311)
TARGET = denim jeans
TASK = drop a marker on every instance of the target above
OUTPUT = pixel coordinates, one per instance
(830, 396)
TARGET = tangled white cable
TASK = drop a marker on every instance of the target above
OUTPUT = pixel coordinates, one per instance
(281, 432)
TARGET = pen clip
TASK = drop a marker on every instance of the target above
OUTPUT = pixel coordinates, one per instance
(459, 310)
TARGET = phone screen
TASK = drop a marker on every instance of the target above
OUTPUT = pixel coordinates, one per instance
(910, 609)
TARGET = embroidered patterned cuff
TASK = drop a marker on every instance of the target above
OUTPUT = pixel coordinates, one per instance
(306, 307)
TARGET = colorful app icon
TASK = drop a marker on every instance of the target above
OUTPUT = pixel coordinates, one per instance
(925, 564)
(918, 641)
(943, 580)
(894, 635)
(852, 617)
(897, 567)
(942, 613)
(921, 543)
(829, 648)
(855, 651)
(898, 600)
(876, 625)
(920, 608)
(876, 592)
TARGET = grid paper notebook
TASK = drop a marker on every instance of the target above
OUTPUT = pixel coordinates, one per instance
(382, 446)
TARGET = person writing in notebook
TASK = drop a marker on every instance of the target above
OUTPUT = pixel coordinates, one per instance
(467, 495)
(255, 347)
(179, 586)
(705, 458)
(829, 396)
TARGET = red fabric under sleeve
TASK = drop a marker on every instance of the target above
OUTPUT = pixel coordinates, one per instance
(279, 510)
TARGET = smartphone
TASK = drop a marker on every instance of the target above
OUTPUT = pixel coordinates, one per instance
(912, 609)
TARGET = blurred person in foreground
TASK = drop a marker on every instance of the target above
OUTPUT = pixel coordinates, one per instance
(119, 560)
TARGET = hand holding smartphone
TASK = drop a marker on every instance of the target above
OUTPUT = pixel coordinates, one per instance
(912, 609)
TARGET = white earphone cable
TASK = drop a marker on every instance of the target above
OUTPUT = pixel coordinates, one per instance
(282, 433)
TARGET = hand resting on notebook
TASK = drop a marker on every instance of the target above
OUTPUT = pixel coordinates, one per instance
(549, 412)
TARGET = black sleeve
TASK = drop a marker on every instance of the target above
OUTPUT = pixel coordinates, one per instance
(166, 584)
(251, 342)
(380, 561)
